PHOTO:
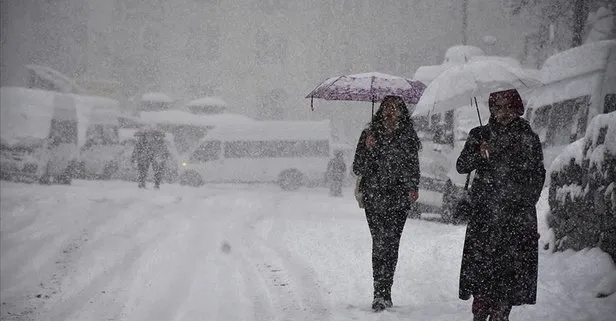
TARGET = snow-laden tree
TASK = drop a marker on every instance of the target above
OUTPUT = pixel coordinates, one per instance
(572, 13)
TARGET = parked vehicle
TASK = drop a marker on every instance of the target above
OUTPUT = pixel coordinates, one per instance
(290, 153)
(99, 156)
(579, 84)
(33, 120)
(39, 135)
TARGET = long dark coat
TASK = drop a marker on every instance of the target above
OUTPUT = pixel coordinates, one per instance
(500, 257)
(390, 169)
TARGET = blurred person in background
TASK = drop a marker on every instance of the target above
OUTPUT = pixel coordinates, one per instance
(334, 176)
(150, 149)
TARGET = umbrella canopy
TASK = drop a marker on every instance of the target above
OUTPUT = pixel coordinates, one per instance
(459, 84)
(372, 87)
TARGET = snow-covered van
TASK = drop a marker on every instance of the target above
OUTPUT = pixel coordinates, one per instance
(290, 153)
(99, 157)
(188, 128)
(578, 84)
(30, 119)
(39, 135)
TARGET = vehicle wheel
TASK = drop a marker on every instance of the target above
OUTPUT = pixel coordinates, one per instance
(191, 178)
(290, 179)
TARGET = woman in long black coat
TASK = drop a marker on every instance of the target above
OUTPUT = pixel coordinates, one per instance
(500, 257)
(387, 160)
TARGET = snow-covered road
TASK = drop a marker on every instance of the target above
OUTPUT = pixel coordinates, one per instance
(108, 251)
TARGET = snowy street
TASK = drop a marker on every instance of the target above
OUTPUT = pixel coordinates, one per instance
(109, 251)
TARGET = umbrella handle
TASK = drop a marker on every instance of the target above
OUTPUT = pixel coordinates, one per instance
(372, 107)
(311, 103)
(477, 107)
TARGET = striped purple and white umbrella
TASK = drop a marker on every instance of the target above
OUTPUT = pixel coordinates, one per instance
(371, 87)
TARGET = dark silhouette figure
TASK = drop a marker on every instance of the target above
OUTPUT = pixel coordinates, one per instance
(500, 256)
(150, 150)
(387, 161)
(335, 174)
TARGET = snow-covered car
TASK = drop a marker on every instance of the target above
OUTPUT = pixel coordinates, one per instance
(128, 171)
(441, 186)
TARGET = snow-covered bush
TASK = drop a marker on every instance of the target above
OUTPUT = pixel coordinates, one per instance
(581, 196)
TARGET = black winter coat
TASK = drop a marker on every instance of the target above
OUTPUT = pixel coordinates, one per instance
(390, 170)
(150, 148)
(500, 256)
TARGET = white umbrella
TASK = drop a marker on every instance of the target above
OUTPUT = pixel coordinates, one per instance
(460, 84)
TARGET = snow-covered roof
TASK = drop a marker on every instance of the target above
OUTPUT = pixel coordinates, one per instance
(60, 80)
(207, 101)
(272, 130)
(156, 96)
(461, 54)
(563, 90)
(426, 74)
(577, 61)
(130, 133)
(25, 114)
(179, 117)
(504, 59)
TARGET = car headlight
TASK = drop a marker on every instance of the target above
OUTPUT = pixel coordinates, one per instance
(184, 164)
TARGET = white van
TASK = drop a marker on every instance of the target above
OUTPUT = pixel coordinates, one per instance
(290, 153)
(579, 84)
(27, 116)
(100, 152)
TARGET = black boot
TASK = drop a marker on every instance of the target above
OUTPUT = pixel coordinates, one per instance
(378, 304)
(388, 302)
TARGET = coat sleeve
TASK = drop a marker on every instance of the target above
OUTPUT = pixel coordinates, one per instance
(469, 159)
(412, 172)
(524, 180)
(529, 174)
(360, 161)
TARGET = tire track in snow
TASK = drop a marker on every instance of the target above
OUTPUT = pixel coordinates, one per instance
(292, 287)
(68, 304)
(53, 251)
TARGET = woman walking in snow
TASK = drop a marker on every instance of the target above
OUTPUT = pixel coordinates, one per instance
(387, 160)
(500, 256)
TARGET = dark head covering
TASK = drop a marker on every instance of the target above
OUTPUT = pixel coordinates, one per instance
(510, 96)
(404, 118)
